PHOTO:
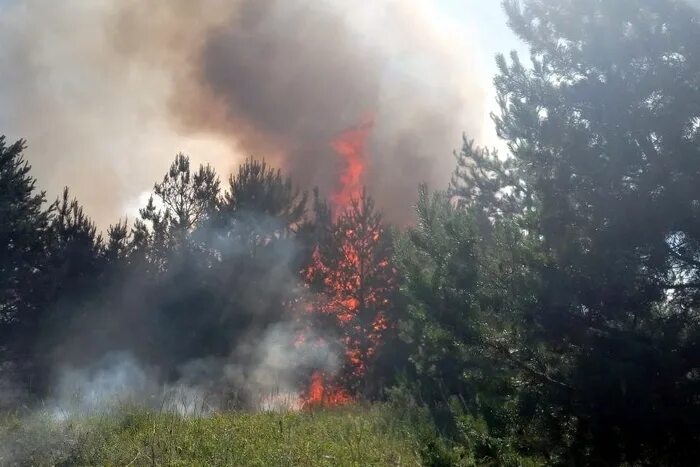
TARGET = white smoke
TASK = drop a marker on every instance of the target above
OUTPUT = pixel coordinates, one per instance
(273, 381)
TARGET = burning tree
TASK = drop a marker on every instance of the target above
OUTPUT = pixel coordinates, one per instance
(351, 274)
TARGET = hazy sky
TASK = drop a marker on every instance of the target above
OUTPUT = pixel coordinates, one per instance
(107, 91)
(488, 21)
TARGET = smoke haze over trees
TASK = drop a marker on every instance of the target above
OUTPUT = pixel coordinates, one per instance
(543, 308)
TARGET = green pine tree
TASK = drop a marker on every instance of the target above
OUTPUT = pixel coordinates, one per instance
(604, 133)
(24, 226)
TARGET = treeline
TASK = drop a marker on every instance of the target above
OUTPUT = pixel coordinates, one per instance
(544, 307)
(205, 272)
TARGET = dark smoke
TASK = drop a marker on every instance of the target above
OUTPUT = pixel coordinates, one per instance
(292, 74)
(294, 87)
(112, 90)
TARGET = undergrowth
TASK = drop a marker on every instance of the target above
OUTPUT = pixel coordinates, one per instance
(352, 436)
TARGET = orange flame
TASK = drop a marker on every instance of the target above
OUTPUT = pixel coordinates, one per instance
(319, 394)
(356, 305)
(351, 145)
(316, 390)
(354, 280)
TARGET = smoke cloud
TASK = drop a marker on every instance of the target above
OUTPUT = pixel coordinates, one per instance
(107, 92)
(262, 373)
(146, 345)
(153, 342)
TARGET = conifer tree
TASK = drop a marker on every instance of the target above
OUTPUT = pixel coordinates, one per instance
(24, 225)
(117, 247)
(605, 176)
(353, 274)
(254, 231)
(261, 204)
(592, 303)
(181, 202)
(71, 279)
(604, 132)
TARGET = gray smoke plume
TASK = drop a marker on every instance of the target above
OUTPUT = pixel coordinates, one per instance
(139, 344)
(107, 91)
(128, 352)
(261, 374)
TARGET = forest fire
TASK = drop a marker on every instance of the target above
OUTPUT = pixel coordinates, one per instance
(350, 145)
(321, 393)
(350, 276)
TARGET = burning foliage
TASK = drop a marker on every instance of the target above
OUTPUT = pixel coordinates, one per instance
(348, 274)
(323, 391)
(352, 279)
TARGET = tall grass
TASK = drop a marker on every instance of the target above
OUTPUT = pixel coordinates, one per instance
(349, 436)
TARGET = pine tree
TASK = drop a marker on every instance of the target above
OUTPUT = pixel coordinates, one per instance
(261, 204)
(352, 273)
(75, 247)
(562, 276)
(117, 248)
(256, 282)
(24, 225)
(466, 283)
(605, 174)
(221, 265)
(188, 198)
(71, 279)
(183, 202)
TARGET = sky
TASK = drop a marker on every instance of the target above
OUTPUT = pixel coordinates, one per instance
(106, 92)
(488, 21)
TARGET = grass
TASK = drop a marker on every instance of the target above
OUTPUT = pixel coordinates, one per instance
(348, 436)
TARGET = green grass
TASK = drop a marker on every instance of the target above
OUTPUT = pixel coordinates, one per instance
(350, 436)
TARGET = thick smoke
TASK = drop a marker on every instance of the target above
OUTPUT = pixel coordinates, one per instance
(106, 91)
(230, 340)
(146, 344)
(260, 374)
(119, 380)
